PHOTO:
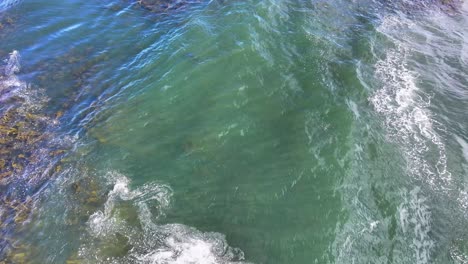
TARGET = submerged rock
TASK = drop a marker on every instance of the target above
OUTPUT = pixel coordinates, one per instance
(22, 124)
(165, 5)
(29, 152)
(8, 23)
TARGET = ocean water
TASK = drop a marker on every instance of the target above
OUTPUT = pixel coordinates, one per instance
(275, 131)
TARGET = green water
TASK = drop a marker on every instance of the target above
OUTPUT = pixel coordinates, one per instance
(251, 131)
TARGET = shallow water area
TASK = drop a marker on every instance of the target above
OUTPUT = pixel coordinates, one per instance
(275, 131)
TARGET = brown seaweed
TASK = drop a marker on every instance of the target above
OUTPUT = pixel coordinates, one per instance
(26, 137)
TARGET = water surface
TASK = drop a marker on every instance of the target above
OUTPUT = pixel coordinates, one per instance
(276, 131)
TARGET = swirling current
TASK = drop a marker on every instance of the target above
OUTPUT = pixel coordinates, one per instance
(275, 131)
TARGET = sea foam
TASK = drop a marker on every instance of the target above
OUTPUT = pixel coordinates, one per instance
(149, 241)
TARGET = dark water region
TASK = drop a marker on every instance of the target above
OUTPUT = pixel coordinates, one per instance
(276, 131)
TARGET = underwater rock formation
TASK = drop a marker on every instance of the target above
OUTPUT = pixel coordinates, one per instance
(165, 5)
(22, 124)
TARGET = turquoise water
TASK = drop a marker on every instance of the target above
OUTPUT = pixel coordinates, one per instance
(276, 131)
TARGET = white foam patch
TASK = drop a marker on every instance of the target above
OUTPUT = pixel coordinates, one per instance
(13, 64)
(187, 251)
(150, 242)
(8, 76)
(409, 123)
(457, 256)
(104, 222)
(184, 245)
(6, 4)
(12, 88)
(405, 109)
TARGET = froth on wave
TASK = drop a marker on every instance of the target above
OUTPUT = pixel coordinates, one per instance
(115, 236)
(409, 123)
(405, 109)
(402, 231)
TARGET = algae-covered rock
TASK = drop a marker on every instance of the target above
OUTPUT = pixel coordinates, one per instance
(20, 253)
(73, 261)
(87, 197)
(115, 247)
(24, 127)
(29, 152)
(19, 258)
(7, 24)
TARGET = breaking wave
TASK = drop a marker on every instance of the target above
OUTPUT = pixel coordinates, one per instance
(407, 118)
(408, 122)
(143, 240)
